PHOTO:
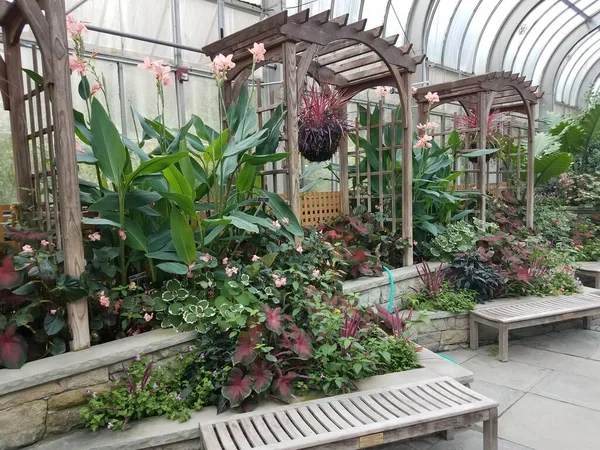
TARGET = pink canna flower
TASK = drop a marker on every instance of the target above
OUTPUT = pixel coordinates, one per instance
(75, 28)
(146, 64)
(95, 88)
(432, 97)
(423, 141)
(258, 52)
(432, 125)
(77, 65)
(220, 65)
(421, 126)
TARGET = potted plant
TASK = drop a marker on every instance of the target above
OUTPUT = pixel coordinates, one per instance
(322, 122)
(468, 122)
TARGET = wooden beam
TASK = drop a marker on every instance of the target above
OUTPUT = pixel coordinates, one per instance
(305, 61)
(350, 51)
(529, 219)
(243, 38)
(355, 63)
(291, 125)
(367, 73)
(68, 180)
(4, 84)
(407, 166)
(39, 26)
(344, 43)
(326, 75)
(344, 175)
(4, 7)
(483, 113)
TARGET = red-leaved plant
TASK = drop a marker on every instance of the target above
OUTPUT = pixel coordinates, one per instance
(431, 280)
(396, 322)
(322, 122)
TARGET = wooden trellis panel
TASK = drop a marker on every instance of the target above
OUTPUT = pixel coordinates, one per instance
(318, 207)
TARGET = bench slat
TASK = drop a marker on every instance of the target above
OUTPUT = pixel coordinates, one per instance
(423, 406)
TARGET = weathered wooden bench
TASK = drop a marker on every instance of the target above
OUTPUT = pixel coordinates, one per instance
(592, 269)
(529, 314)
(358, 420)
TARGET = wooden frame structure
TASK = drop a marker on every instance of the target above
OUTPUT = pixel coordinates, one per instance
(43, 136)
(334, 52)
(501, 91)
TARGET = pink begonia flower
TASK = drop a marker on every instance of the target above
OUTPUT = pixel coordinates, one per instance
(75, 28)
(316, 273)
(279, 280)
(27, 248)
(148, 317)
(118, 304)
(276, 224)
(432, 97)
(104, 300)
(95, 88)
(123, 235)
(255, 258)
(94, 236)
(220, 65)
(191, 267)
(206, 258)
(77, 65)
(258, 52)
(44, 242)
(299, 249)
(382, 90)
(53, 311)
(423, 141)
(432, 125)
(231, 271)
(225, 261)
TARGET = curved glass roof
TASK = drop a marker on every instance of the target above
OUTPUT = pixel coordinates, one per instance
(555, 43)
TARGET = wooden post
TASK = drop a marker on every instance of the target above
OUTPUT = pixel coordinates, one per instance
(482, 111)
(530, 165)
(18, 119)
(344, 181)
(407, 167)
(291, 125)
(68, 183)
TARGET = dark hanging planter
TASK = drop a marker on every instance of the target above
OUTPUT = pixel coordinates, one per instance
(321, 123)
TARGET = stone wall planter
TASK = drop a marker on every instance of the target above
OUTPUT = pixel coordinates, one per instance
(374, 291)
(44, 397)
(160, 433)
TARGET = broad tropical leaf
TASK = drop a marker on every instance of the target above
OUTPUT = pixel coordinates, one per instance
(237, 388)
(551, 166)
(106, 144)
(274, 319)
(9, 277)
(13, 348)
(261, 375)
(283, 384)
(283, 212)
(245, 351)
(183, 237)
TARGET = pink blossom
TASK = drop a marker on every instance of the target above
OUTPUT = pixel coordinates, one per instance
(258, 52)
(276, 224)
(44, 242)
(414, 90)
(382, 90)
(95, 88)
(148, 317)
(225, 261)
(206, 257)
(158, 69)
(104, 300)
(75, 28)
(146, 64)
(220, 65)
(27, 249)
(421, 126)
(94, 236)
(432, 125)
(78, 148)
(286, 221)
(316, 273)
(191, 267)
(415, 243)
(53, 311)
(122, 235)
(299, 249)
(118, 304)
(279, 280)
(77, 65)
(231, 271)
(432, 97)
(377, 207)
(167, 81)
(255, 258)
(423, 141)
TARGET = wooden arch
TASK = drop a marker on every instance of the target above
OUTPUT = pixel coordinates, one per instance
(501, 91)
(50, 191)
(334, 52)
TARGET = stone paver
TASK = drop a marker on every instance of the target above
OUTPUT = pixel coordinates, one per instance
(460, 355)
(581, 343)
(566, 387)
(555, 361)
(506, 397)
(545, 424)
(472, 440)
(512, 374)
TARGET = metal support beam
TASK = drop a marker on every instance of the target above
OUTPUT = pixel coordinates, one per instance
(179, 90)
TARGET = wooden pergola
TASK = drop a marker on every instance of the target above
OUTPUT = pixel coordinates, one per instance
(334, 52)
(500, 91)
(42, 131)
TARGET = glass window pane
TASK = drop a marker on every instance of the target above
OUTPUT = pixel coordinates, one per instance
(439, 26)
(456, 33)
(574, 62)
(579, 72)
(472, 34)
(397, 19)
(374, 12)
(351, 7)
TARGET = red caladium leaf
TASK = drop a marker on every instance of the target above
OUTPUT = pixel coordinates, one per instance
(9, 277)
(283, 384)
(274, 319)
(301, 344)
(261, 375)
(238, 387)
(13, 348)
(8, 297)
(245, 351)
(25, 235)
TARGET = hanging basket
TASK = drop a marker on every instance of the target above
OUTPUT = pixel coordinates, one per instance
(319, 144)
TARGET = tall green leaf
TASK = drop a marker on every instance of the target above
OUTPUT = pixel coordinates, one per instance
(284, 213)
(106, 144)
(177, 181)
(551, 166)
(136, 239)
(183, 237)
(155, 165)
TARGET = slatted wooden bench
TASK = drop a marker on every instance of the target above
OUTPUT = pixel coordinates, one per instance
(529, 314)
(591, 269)
(358, 420)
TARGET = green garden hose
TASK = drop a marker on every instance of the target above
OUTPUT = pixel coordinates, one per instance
(391, 303)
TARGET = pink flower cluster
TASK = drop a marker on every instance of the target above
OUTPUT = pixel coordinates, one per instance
(75, 28)
(206, 258)
(432, 97)
(220, 65)
(94, 236)
(27, 249)
(77, 65)
(158, 69)
(258, 52)
(382, 90)
(423, 141)
(104, 300)
(255, 258)
(231, 271)
(279, 280)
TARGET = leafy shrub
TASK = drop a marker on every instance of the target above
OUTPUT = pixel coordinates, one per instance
(473, 271)
(145, 391)
(459, 237)
(447, 299)
(553, 221)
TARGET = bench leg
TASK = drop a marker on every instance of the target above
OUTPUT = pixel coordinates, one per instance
(587, 323)
(474, 334)
(503, 343)
(448, 435)
(597, 284)
(490, 431)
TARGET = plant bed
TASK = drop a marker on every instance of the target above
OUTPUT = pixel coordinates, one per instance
(159, 432)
